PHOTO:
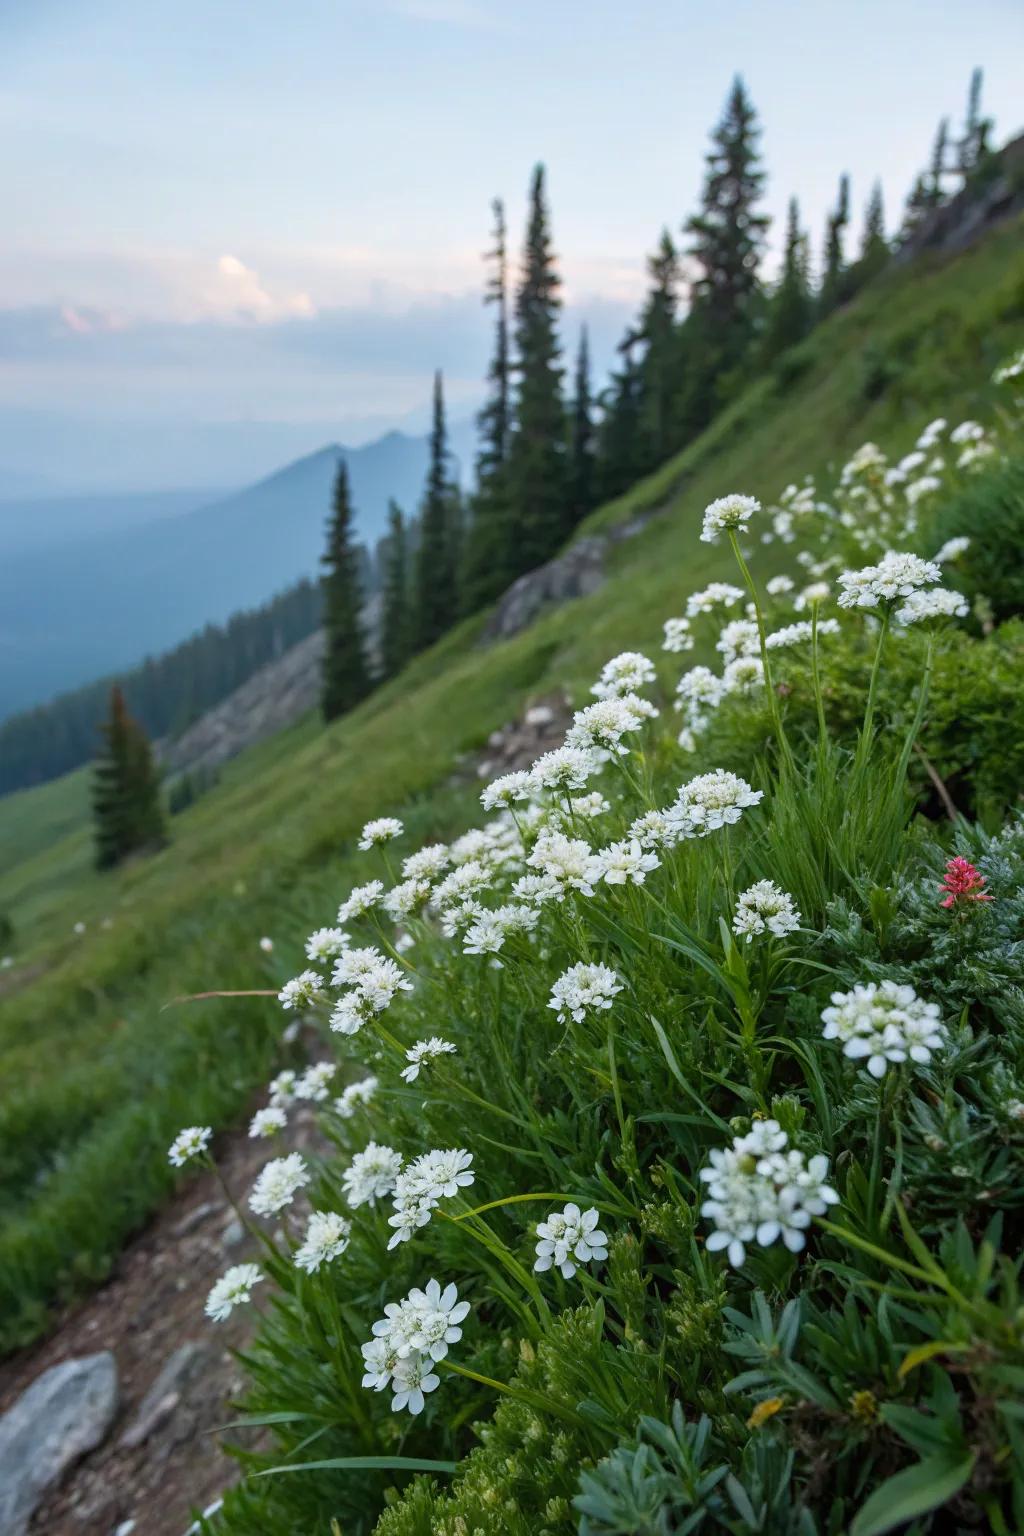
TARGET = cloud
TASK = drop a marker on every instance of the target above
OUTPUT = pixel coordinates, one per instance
(237, 293)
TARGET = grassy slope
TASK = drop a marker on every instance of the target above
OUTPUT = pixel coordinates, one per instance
(270, 848)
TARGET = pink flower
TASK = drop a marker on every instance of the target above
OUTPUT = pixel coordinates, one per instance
(962, 882)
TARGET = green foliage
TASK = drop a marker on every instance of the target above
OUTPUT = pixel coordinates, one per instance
(435, 598)
(127, 813)
(396, 599)
(989, 510)
(346, 677)
(490, 561)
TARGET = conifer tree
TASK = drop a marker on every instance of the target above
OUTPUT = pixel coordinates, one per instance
(833, 279)
(874, 249)
(345, 676)
(789, 311)
(973, 148)
(728, 238)
(620, 459)
(538, 491)
(658, 372)
(434, 607)
(487, 565)
(937, 169)
(581, 437)
(395, 640)
(127, 814)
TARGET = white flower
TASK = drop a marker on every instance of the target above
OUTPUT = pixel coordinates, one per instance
(362, 900)
(650, 830)
(424, 1051)
(626, 673)
(487, 934)
(314, 1082)
(507, 790)
(796, 634)
(932, 432)
(568, 860)
(405, 899)
(925, 485)
(439, 1174)
(744, 674)
(282, 1087)
(710, 801)
(371, 1175)
(626, 861)
(700, 688)
(427, 863)
(233, 1289)
(566, 768)
(277, 1184)
(974, 453)
(604, 724)
(728, 513)
(326, 944)
(817, 592)
(355, 1095)
(883, 1022)
(267, 1122)
(538, 889)
(411, 1336)
(677, 635)
(1012, 369)
(896, 575)
(568, 1236)
(738, 638)
(349, 1014)
(937, 603)
(758, 1192)
(778, 586)
(383, 830)
(967, 432)
(582, 987)
(718, 594)
(303, 991)
(952, 550)
(762, 908)
(267, 946)
(376, 978)
(412, 1378)
(189, 1143)
(327, 1236)
(587, 807)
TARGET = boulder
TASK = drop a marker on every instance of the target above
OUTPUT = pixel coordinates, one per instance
(65, 1413)
(164, 1395)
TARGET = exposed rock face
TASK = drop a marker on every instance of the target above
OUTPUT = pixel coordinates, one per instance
(164, 1395)
(519, 744)
(66, 1412)
(575, 573)
(969, 215)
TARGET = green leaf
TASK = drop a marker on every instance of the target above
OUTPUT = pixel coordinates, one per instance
(364, 1464)
(912, 1492)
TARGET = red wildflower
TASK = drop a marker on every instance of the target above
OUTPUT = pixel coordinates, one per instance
(962, 882)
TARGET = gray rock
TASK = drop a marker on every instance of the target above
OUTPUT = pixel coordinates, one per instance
(164, 1395)
(194, 1218)
(233, 1234)
(576, 572)
(66, 1412)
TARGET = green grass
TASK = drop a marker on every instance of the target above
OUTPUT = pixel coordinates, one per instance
(83, 1040)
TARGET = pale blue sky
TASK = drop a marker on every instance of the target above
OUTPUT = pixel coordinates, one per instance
(271, 212)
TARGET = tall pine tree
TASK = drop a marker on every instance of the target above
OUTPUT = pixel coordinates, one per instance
(728, 237)
(789, 311)
(345, 677)
(395, 627)
(538, 493)
(874, 247)
(973, 146)
(832, 292)
(487, 566)
(435, 597)
(658, 368)
(581, 436)
(620, 456)
(127, 813)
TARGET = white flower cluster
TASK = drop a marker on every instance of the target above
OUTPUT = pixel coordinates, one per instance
(798, 633)
(423, 1051)
(382, 830)
(708, 802)
(355, 1096)
(375, 981)
(883, 1022)
(626, 862)
(624, 674)
(1013, 369)
(267, 1122)
(371, 1175)
(678, 635)
(569, 1238)
(277, 1184)
(303, 991)
(189, 1143)
(409, 1339)
(583, 987)
(325, 945)
(952, 550)
(422, 1184)
(728, 514)
(765, 908)
(602, 725)
(327, 1237)
(361, 900)
(233, 1289)
(718, 594)
(936, 604)
(759, 1190)
(896, 575)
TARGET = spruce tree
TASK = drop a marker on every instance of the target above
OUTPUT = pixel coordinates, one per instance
(728, 238)
(973, 147)
(486, 568)
(833, 280)
(540, 512)
(435, 606)
(581, 436)
(874, 248)
(934, 191)
(127, 814)
(658, 371)
(345, 677)
(789, 311)
(395, 637)
(620, 459)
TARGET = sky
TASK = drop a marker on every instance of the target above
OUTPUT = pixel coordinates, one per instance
(235, 231)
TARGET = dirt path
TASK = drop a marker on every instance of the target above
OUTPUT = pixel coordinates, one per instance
(150, 1307)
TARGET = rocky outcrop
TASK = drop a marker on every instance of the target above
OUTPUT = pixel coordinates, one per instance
(972, 213)
(65, 1413)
